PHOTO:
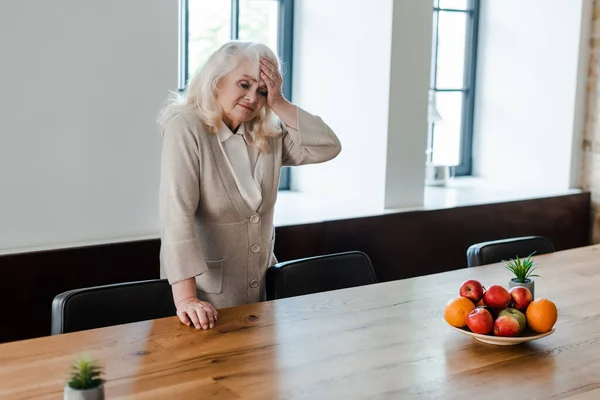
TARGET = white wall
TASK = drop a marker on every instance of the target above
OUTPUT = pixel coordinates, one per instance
(585, 35)
(528, 102)
(368, 81)
(341, 72)
(81, 83)
(409, 87)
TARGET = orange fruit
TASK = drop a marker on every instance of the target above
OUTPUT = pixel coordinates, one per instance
(456, 311)
(541, 315)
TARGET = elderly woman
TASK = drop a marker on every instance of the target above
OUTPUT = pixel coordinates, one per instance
(221, 159)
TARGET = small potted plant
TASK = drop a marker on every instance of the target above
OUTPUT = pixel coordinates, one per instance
(85, 382)
(523, 269)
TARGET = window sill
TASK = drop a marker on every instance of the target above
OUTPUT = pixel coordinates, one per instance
(295, 208)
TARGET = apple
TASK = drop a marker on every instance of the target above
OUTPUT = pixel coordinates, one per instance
(521, 296)
(506, 326)
(480, 321)
(496, 296)
(516, 314)
(472, 290)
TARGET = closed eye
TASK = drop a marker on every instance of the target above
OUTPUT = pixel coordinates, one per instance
(244, 85)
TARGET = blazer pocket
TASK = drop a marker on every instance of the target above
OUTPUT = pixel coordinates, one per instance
(211, 281)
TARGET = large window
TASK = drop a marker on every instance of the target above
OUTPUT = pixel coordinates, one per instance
(452, 83)
(208, 24)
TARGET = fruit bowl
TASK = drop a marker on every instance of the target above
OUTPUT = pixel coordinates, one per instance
(500, 317)
(504, 340)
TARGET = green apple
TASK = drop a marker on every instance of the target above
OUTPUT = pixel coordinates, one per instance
(516, 314)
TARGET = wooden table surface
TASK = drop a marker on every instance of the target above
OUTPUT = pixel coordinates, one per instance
(375, 342)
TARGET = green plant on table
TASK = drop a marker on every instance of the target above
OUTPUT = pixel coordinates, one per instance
(522, 268)
(85, 374)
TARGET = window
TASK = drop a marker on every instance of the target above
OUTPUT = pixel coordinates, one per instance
(453, 83)
(208, 24)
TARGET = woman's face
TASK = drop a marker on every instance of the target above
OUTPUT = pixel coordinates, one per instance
(241, 95)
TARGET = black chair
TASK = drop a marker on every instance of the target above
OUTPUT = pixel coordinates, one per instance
(319, 274)
(121, 303)
(497, 250)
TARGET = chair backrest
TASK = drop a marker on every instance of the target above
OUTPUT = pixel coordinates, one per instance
(121, 303)
(497, 250)
(319, 274)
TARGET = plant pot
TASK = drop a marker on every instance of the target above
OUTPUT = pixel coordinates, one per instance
(96, 393)
(529, 284)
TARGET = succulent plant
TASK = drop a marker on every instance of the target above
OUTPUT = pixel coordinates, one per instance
(522, 268)
(85, 374)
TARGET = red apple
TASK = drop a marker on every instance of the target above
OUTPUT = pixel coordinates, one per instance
(480, 321)
(506, 326)
(521, 297)
(472, 290)
(516, 314)
(496, 296)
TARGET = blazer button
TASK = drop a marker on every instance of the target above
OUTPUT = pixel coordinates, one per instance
(254, 283)
(255, 248)
(254, 219)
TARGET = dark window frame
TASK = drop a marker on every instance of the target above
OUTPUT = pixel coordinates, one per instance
(465, 167)
(285, 50)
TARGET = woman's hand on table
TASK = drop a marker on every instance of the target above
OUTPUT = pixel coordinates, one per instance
(200, 314)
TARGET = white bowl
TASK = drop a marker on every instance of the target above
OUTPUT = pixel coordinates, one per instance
(504, 340)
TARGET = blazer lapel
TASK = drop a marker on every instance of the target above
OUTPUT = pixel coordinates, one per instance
(270, 178)
(240, 205)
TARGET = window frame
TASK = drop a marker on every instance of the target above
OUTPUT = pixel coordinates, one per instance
(465, 166)
(285, 51)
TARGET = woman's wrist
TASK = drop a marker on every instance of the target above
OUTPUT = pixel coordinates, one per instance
(185, 300)
(183, 291)
(287, 113)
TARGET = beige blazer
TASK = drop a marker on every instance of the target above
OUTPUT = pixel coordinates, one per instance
(208, 231)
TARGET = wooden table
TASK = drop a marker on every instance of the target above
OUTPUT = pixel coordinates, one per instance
(375, 342)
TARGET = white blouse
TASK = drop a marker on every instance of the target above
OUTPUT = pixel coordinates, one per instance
(244, 161)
